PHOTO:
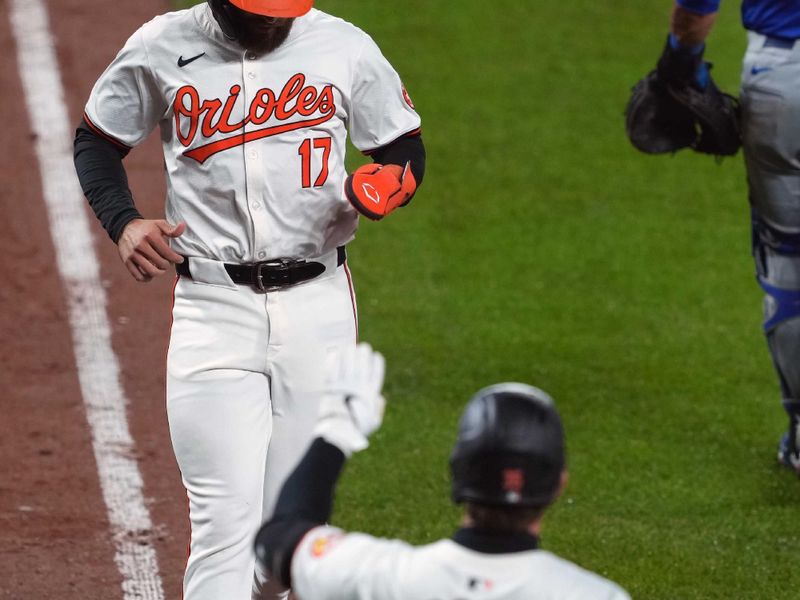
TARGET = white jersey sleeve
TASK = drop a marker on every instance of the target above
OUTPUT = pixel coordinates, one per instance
(330, 564)
(382, 110)
(126, 102)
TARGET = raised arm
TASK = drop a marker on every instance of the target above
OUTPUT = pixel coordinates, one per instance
(351, 410)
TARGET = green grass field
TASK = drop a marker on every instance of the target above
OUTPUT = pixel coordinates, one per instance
(543, 248)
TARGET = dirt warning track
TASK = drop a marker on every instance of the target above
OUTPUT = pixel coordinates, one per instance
(56, 539)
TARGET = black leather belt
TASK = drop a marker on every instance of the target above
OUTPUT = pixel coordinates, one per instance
(270, 275)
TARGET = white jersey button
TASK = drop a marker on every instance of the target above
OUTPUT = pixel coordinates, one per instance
(251, 75)
(251, 56)
(255, 206)
(253, 154)
(262, 255)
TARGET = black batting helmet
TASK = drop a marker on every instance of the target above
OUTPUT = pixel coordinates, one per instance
(510, 448)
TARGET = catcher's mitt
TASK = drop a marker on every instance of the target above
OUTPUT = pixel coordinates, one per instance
(667, 112)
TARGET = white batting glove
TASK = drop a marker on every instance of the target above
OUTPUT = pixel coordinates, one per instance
(352, 407)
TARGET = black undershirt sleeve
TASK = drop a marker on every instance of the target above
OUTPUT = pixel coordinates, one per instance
(98, 163)
(305, 501)
(402, 150)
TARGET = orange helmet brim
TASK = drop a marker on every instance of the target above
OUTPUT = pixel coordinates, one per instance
(275, 8)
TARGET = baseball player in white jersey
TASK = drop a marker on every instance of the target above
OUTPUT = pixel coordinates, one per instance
(254, 100)
(508, 465)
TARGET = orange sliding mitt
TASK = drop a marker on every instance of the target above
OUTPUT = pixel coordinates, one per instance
(376, 190)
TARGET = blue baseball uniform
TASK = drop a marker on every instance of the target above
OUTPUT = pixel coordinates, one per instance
(780, 18)
(770, 97)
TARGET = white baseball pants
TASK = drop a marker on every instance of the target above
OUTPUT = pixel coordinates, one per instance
(244, 377)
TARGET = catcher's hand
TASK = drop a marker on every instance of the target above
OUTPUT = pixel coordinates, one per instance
(678, 105)
(352, 407)
(376, 190)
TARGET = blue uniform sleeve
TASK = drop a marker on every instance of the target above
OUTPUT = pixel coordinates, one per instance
(701, 7)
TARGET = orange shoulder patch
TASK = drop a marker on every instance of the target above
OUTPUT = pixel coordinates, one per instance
(322, 544)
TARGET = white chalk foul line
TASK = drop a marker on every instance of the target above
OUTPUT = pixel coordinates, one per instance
(98, 369)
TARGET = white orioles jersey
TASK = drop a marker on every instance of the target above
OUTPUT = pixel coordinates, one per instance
(254, 147)
(330, 564)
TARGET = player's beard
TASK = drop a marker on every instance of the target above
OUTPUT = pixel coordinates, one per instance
(259, 34)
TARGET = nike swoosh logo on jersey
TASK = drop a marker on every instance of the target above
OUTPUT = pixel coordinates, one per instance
(182, 63)
(757, 70)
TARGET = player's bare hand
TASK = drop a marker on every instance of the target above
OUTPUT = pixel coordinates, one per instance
(144, 247)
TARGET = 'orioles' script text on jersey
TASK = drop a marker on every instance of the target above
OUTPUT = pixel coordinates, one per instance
(254, 145)
(295, 99)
